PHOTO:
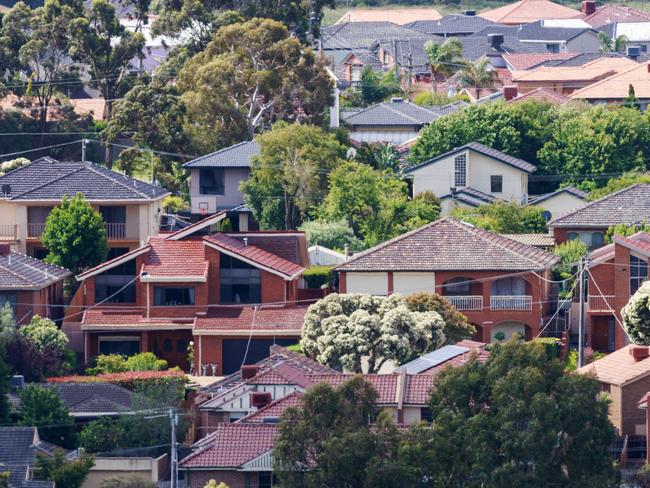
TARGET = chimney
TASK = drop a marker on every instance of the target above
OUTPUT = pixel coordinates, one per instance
(5, 249)
(588, 7)
(639, 353)
(248, 371)
(495, 40)
(510, 92)
(260, 399)
(633, 52)
(470, 13)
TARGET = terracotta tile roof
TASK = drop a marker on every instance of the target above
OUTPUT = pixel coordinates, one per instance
(527, 11)
(274, 409)
(615, 62)
(609, 14)
(117, 317)
(639, 242)
(286, 320)
(417, 386)
(616, 87)
(398, 16)
(448, 244)
(282, 374)
(537, 240)
(618, 367)
(96, 107)
(255, 255)
(558, 73)
(291, 246)
(524, 61)
(232, 445)
(542, 94)
(167, 258)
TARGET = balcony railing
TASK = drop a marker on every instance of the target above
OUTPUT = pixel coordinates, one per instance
(115, 231)
(598, 303)
(35, 229)
(466, 302)
(8, 232)
(511, 302)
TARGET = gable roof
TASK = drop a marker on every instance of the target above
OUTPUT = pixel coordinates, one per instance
(173, 259)
(21, 272)
(482, 149)
(452, 24)
(399, 16)
(628, 206)
(571, 190)
(448, 244)
(471, 196)
(524, 61)
(236, 156)
(608, 14)
(563, 74)
(354, 35)
(542, 94)
(408, 52)
(616, 87)
(274, 409)
(478, 45)
(18, 449)
(526, 11)
(50, 180)
(618, 367)
(543, 30)
(391, 113)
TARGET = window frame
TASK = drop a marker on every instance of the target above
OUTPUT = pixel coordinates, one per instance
(217, 185)
(638, 272)
(160, 298)
(460, 170)
(496, 180)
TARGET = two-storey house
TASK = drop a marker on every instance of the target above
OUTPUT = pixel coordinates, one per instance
(472, 175)
(131, 208)
(232, 294)
(501, 285)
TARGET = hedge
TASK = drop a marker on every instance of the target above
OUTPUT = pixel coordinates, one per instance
(128, 379)
(317, 276)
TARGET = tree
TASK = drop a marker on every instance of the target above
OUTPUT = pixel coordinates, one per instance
(289, 177)
(68, 473)
(532, 424)
(616, 184)
(343, 329)
(41, 407)
(456, 327)
(570, 253)
(625, 230)
(12, 164)
(374, 88)
(478, 75)
(4, 388)
(444, 58)
(251, 74)
(380, 156)
(74, 235)
(631, 101)
(609, 45)
(103, 435)
(7, 321)
(132, 481)
(504, 218)
(331, 234)
(23, 358)
(43, 334)
(636, 315)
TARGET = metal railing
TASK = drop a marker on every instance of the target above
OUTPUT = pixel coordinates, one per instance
(115, 231)
(35, 229)
(8, 232)
(466, 302)
(598, 303)
(511, 302)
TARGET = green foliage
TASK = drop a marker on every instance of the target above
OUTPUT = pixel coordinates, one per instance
(41, 407)
(7, 321)
(631, 101)
(550, 344)
(478, 75)
(74, 235)
(133, 481)
(43, 334)
(380, 156)
(289, 177)
(444, 58)
(116, 363)
(4, 388)
(295, 348)
(504, 218)
(70, 474)
(317, 276)
(616, 184)
(375, 87)
(625, 230)
(570, 253)
(23, 357)
(331, 234)
(108, 363)
(456, 327)
(636, 315)
(609, 45)
(4, 479)
(428, 99)
(214, 484)
(174, 203)
(145, 361)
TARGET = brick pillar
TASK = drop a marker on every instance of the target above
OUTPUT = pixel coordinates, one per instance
(144, 341)
(390, 283)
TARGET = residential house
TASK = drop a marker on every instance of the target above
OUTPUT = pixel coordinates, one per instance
(527, 61)
(495, 45)
(560, 201)
(352, 66)
(616, 271)
(19, 447)
(215, 181)
(624, 376)
(30, 286)
(629, 206)
(616, 88)
(400, 16)
(563, 35)
(498, 283)
(611, 13)
(323, 256)
(193, 285)
(542, 94)
(528, 11)
(131, 208)
(542, 241)
(635, 33)
(452, 25)
(454, 355)
(472, 175)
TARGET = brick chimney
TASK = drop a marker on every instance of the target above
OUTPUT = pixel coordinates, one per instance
(248, 371)
(588, 7)
(261, 399)
(639, 353)
(5, 249)
(510, 92)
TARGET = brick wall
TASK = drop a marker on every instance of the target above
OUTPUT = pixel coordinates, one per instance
(631, 415)
(234, 479)
(273, 288)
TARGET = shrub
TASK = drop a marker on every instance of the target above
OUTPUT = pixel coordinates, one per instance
(145, 361)
(108, 363)
(116, 363)
(317, 276)
(43, 334)
(128, 379)
(333, 234)
(636, 315)
(174, 203)
(132, 481)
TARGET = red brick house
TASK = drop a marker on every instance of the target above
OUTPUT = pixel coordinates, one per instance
(616, 271)
(215, 289)
(498, 283)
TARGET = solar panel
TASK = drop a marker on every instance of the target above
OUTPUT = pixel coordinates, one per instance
(432, 359)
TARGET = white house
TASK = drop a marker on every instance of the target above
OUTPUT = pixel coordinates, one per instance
(560, 201)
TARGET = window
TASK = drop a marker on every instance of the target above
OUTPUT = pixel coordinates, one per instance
(644, 48)
(597, 239)
(113, 215)
(457, 286)
(460, 170)
(553, 48)
(168, 346)
(212, 181)
(265, 479)
(426, 414)
(240, 282)
(638, 273)
(606, 387)
(169, 296)
(355, 73)
(508, 287)
(181, 345)
(591, 239)
(116, 285)
(496, 183)
(126, 346)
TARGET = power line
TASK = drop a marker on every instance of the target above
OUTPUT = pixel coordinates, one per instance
(39, 149)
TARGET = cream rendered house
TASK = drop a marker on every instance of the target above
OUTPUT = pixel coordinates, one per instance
(560, 201)
(472, 175)
(131, 208)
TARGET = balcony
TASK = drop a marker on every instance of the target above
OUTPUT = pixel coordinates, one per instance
(598, 303)
(511, 302)
(117, 232)
(466, 302)
(8, 232)
(35, 229)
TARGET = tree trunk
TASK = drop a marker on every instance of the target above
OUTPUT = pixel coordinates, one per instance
(287, 211)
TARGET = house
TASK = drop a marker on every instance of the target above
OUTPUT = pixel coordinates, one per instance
(30, 286)
(624, 376)
(498, 283)
(494, 45)
(354, 63)
(616, 271)
(636, 33)
(528, 11)
(542, 94)
(408, 57)
(452, 25)
(542, 241)
(610, 13)
(215, 180)
(323, 256)
(616, 88)
(643, 404)
(458, 354)
(472, 175)
(400, 16)
(19, 447)
(560, 201)
(131, 208)
(233, 294)
(629, 206)
(561, 35)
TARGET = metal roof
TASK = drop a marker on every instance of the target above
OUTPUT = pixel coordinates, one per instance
(432, 359)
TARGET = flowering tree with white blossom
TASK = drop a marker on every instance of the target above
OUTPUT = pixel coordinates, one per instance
(636, 316)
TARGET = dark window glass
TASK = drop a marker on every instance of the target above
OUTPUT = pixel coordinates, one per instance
(553, 48)
(168, 346)
(460, 171)
(125, 347)
(496, 183)
(240, 282)
(265, 479)
(426, 414)
(181, 345)
(113, 215)
(638, 273)
(173, 295)
(211, 181)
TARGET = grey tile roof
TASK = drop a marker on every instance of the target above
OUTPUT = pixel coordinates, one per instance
(351, 35)
(475, 47)
(487, 151)
(408, 52)
(450, 245)
(391, 113)
(628, 206)
(49, 179)
(18, 453)
(236, 156)
(572, 190)
(471, 196)
(451, 25)
(506, 30)
(536, 31)
(451, 108)
(20, 272)
(584, 58)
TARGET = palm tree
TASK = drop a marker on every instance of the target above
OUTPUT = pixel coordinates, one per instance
(443, 58)
(477, 75)
(609, 45)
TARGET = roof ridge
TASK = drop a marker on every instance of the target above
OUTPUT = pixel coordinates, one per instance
(397, 112)
(222, 150)
(76, 170)
(134, 188)
(609, 78)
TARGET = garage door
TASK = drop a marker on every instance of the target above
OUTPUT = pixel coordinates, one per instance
(234, 350)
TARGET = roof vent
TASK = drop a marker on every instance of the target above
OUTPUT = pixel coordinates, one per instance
(396, 100)
(495, 40)
(248, 371)
(246, 241)
(6, 190)
(470, 13)
(639, 353)
(633, 52)
(261, 399)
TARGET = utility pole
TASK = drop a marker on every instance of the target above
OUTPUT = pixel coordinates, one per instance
(83, 150)
(174, 462)
(581, 317)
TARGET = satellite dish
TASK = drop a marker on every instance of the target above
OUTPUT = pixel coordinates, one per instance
(6, 190)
